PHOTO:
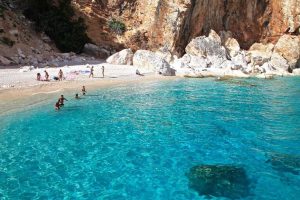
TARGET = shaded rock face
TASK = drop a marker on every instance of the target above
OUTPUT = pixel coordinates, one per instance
(285, 163)
(219, 181)
(173, 24)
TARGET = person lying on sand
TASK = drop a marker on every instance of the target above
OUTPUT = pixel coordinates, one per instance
(83, 90)
(38, 76)
(137, 72)
(61, 100)
(46, 76)
(57, 105)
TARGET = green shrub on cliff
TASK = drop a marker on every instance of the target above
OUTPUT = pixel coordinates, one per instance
(116, 26)
(57, 21)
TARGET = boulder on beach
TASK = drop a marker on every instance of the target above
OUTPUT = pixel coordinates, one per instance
(149, 60)
(279, 62)
(219, 181)
(206, 46)
(232, 46)
(96, 51)
(4, 61)
(123, 57)
(288, 46)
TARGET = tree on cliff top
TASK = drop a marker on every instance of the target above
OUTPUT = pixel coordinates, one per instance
(56, 19)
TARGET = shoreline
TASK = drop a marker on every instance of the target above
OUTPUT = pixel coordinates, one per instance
(19, 87)
(15, 100)
(28, 92)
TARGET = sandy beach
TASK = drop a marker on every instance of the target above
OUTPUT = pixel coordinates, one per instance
(20, 90)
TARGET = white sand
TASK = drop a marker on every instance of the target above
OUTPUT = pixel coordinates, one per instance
(21, 90)
(14, 78)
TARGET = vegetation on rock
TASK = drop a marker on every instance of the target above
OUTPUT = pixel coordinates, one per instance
(57, 21)
(116, 26)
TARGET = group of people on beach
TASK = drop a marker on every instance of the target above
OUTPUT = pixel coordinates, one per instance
(62, 99)
(61, 77)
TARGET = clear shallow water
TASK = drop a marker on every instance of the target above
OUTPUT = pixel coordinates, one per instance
(139, 141)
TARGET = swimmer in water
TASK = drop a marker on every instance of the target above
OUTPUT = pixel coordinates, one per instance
(76, 96)
(61, 100)
(83, 90)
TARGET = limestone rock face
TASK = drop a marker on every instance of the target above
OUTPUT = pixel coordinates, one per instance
(289, 48)
(123, 57)
(173, 24)
(152, 62)
(204, 47)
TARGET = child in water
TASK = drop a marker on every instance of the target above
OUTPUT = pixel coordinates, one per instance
(57, 105)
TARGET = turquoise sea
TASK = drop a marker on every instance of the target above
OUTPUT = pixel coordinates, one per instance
(140, 141)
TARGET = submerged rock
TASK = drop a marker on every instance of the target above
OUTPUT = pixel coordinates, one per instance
(285, 163)
(219, 181)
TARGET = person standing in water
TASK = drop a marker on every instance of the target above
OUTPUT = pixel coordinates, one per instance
(83, 90)
(103, 71)
(92, 72)
(60, 75)
(46, 76)
(61, 100)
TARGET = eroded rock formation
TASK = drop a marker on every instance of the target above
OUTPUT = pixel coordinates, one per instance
(153, 24)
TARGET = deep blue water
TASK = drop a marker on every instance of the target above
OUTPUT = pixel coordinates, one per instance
(139, 141)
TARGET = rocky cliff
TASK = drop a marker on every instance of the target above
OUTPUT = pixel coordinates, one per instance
(168, 25)
(171, 24)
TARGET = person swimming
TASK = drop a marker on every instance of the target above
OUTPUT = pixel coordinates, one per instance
(61, 100)
(76, 96)
(83, 90)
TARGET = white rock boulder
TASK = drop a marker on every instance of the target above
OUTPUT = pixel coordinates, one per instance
(150, 61)
(206, 46)
(288, 46)
(124, 57)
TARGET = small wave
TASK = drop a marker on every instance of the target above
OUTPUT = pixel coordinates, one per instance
(46, 92)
